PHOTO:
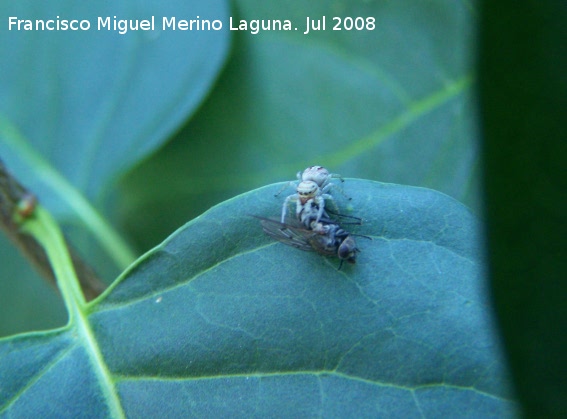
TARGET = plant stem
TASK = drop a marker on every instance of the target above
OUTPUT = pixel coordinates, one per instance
(109, 239)
(46, 231)
(18, 204)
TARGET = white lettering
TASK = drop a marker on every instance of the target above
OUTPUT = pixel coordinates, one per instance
(125, 25)
(257, 25)
(103, 23)
(57, 24)
(197, 24)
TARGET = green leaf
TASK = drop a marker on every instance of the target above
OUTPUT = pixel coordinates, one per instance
(524, 97)
(220, 319)
(92, 103)
(393, 104)
(79, 108)
(28, 302)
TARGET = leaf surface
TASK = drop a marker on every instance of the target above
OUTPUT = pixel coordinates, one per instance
(524, 95)
(220, 319)
(92, 103)
(79, 108)
(392, 104)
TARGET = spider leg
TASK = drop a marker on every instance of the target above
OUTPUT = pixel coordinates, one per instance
(285, 205)
(328, 197)
(336, 187)
(320, 201)
(287, 185)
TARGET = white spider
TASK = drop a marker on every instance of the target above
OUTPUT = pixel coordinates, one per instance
(317, 174)
(310, 203)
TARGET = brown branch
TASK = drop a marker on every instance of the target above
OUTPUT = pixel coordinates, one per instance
(17, 204)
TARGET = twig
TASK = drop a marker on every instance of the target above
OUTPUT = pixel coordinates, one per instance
(17, 204)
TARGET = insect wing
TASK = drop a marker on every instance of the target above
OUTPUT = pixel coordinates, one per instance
(288, 234)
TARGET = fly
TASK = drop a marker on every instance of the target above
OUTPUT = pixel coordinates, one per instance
(327, 239)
